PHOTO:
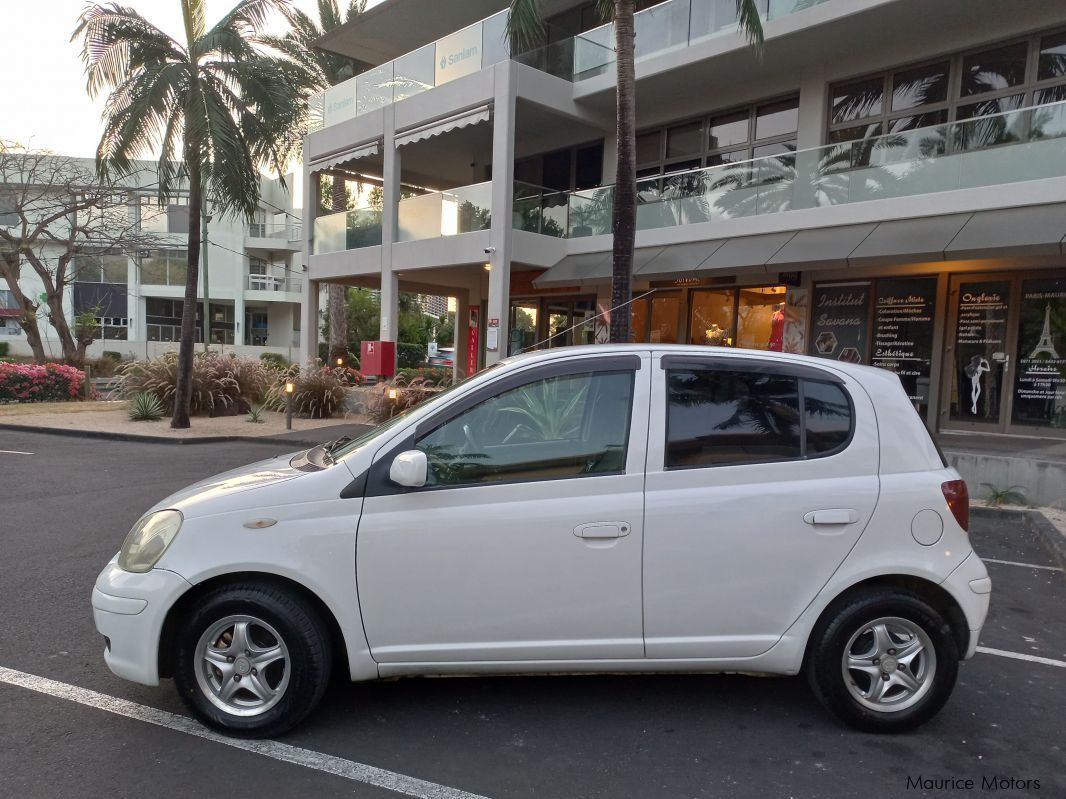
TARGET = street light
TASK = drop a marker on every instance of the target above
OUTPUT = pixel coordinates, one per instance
(290, 387)
(340, 362)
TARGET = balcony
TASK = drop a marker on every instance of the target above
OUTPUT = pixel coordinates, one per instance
(291, 231)
(1014, 146)
(347, 230)
(446, 213)
(668, 26)
(273, 283)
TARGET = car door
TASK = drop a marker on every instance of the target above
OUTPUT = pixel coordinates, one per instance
(525, 542)
(762, 475)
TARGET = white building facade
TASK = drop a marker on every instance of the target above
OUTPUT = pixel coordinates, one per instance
(254, 281)
(886, 184)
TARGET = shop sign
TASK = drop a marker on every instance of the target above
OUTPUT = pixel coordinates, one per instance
(840, 321)
(1040, 376)
(458, 54)
(903, 332)
(472, 342)
(340, 103)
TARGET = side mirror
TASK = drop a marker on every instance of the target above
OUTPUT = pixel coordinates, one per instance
(409, 469)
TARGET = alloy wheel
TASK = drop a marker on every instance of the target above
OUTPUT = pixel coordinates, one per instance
(242, 665)
(889, 664)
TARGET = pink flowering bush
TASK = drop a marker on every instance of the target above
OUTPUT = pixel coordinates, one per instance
(30, 382)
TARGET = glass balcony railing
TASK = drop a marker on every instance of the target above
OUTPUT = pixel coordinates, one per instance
(276, 230)
(540, 210)
(446, 213)
(671, 25)
(347, 230)
(1021, 145)
(273, 283)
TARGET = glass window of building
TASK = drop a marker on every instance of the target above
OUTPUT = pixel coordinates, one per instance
(989, 81)
(1040, 378)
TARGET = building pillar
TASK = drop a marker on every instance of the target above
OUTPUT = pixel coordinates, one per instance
(462, 333)
(501, 233)
(308, 350)
(390, 178)
(811, 124)
(238, 315)
(610, 158)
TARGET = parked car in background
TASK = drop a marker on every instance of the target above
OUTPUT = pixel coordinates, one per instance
(637, 508)
(445, 356)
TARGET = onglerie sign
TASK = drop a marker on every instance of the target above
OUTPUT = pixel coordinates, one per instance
(458, 55)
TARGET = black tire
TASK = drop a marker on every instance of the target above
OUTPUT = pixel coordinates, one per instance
(852, 616)
(301, 632)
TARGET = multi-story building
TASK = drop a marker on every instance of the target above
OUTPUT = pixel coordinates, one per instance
(884, 183)
(254, 278)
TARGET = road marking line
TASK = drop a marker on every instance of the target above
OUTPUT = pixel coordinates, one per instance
(338, 766)
(13, 452)
(1026, 565)
(984, 650)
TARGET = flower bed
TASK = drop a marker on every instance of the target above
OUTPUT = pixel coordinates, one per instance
(50, 382)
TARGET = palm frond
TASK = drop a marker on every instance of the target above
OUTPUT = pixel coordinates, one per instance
(524, 23)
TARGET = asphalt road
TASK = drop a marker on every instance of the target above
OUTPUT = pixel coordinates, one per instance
(65, 508)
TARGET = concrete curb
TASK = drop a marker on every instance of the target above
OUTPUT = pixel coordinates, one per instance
(103, 434)
(1036, 523)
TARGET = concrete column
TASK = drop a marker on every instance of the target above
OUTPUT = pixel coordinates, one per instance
(309, 308)
(812, 118)
(502, 232)
(391, 172)
(309, 323)
(610, 158)
(462, 332)
(238, 316)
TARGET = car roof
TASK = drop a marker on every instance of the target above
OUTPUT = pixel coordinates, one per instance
(855, 370)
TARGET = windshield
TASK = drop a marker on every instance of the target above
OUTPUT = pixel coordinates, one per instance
(351, 446)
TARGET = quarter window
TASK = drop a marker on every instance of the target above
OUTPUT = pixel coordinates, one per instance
(566, 426)
(719, 417)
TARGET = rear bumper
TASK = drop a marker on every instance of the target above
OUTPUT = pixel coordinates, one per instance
(129, 610)
(971, 587)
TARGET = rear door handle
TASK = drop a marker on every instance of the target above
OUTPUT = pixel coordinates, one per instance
(602, 530)
(832, 516)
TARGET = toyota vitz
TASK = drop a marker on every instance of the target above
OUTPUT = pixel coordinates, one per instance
(595, 509)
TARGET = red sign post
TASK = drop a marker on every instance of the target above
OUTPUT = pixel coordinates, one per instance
(472, 342)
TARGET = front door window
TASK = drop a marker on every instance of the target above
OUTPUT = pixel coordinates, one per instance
(1040, 374)
(980, 355)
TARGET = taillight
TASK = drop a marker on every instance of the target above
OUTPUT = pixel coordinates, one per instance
(958, 499)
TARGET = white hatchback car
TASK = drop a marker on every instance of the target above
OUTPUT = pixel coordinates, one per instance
(599, 509)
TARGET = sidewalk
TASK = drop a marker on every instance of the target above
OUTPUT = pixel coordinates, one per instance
(108, 420)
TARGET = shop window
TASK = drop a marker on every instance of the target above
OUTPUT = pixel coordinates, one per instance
(665, 318)
(560, 427)
(719, 418)
(761, 318)
(711, 317)
(523, 327)
(1040, 377)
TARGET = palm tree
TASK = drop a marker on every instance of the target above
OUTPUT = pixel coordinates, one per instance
(215, 108)
(325, 69)
(527, 30)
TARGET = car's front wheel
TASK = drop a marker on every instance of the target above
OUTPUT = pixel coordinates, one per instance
(252, 660)
(883, 661)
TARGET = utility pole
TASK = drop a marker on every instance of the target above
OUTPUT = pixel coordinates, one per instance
(207, 300)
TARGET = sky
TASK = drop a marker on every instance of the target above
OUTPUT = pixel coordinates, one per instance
(45, 104)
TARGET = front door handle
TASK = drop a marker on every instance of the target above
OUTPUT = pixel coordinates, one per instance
(832, 516)
(602, 530)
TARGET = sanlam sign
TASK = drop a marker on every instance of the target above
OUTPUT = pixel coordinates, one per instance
(458, 55)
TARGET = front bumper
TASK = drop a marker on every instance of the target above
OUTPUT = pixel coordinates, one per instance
(971, 587)
(129, 610)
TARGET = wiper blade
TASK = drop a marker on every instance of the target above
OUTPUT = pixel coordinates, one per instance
(333, 446)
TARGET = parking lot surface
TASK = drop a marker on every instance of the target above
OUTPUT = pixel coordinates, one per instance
(66, 503)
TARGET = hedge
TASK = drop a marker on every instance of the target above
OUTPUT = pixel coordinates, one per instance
(4, 347)
(27, 382)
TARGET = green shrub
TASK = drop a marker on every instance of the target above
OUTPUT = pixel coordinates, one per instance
(410, 356)
(145, 408)
(113, 355)
(103, 367)
(410, 391)
(274, 360)
(439, 376)
(221, 384)
(255, 414)
(319, 394)
(4, 348)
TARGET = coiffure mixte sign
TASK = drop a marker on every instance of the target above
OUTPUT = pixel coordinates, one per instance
(455, 56)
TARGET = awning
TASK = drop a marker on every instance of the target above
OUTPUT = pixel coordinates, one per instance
(746, 251)
(1031, 230)
(454, 122)
(679, 258)
(575, 269)
(915, 239)
(829, 246)
(348, 154)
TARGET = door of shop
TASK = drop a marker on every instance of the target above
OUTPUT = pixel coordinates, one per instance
(1005, 360)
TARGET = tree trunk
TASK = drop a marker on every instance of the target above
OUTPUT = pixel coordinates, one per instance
(624, 215)
(9, 268)
(183, 389)
(58, 319)
(338, 294)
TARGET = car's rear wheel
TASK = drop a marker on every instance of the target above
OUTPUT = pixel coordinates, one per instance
(884, 660)
(252, 660)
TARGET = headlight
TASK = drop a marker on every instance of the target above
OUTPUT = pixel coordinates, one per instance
(148, 540)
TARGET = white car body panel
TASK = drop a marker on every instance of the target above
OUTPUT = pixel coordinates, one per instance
(718, 572)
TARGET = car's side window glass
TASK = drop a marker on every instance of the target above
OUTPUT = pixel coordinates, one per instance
(565, 426)
(827, 417)
(718, 417)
